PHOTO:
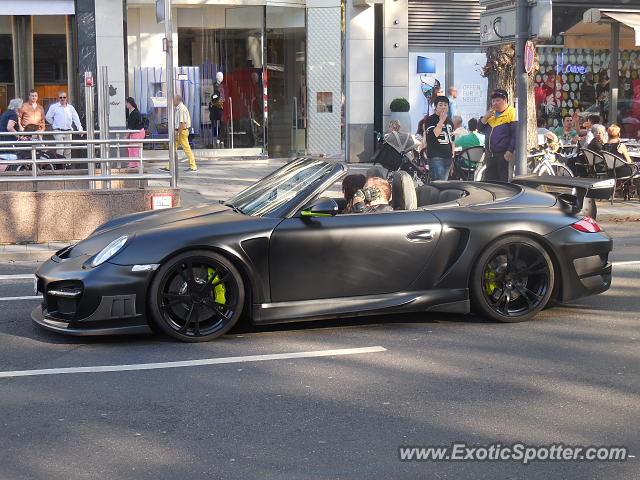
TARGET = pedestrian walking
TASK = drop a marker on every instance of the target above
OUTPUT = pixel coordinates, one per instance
(181, 131)
(62, 117)
(134, 122)
(440, 145)
(31, 115)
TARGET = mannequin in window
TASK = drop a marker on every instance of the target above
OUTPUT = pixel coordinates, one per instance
(216, 106)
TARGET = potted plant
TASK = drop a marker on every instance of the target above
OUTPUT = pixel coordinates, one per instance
(399, 108)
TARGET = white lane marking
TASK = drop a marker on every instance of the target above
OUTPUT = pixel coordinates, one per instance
(192, 363)
(17, 277)
(26, 297)
(631, 262)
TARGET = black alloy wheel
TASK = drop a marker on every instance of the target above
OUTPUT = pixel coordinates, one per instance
(196, 296)
(513, 279)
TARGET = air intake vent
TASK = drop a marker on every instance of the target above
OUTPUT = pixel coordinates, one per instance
(444, 24)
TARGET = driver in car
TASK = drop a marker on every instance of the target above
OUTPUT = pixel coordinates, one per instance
(373, 198)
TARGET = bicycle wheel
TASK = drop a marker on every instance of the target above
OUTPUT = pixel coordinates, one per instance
(555, 169)
(478, 176)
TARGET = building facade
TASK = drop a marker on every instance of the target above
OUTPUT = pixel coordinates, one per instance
(288, 77)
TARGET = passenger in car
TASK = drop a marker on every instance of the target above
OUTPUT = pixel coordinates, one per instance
(374, 197)
(350, 185)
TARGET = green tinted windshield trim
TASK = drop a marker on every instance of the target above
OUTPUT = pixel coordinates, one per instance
(307, 213)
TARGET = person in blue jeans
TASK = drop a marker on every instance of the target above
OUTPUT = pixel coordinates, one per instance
(440, 140)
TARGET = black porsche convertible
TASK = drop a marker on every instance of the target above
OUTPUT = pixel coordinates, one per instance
(280, 251)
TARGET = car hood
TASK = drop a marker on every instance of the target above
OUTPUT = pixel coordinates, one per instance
(132, 224)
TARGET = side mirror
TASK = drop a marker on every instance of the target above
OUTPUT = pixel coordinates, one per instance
(322, 207)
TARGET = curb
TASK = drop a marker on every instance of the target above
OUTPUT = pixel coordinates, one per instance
(39, 256)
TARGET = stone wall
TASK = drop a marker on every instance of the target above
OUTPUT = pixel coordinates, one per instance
(49, 216)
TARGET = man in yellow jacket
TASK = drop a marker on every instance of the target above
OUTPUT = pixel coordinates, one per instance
(499, 127)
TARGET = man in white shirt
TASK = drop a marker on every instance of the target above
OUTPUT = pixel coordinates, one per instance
(62, 117)
(459, 131)
(182, 126)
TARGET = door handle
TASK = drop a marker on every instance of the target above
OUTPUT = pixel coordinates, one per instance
(420, 236)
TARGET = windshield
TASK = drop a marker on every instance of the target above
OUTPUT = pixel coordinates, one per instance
(272, 192)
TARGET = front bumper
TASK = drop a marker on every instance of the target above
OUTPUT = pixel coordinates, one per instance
(78, 300)
(584, 262)
(38, 318)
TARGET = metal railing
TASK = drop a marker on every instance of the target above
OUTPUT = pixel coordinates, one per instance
(34, 146)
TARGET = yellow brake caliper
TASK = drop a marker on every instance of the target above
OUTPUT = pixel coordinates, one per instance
(489, 282)
(219, 291)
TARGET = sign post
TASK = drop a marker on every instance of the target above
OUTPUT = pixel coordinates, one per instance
(89, 108)
(164, 15)
(522, 80)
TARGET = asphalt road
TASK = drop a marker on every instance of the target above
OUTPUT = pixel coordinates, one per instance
(571, 376)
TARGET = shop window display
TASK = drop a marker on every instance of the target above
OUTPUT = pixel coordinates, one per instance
(576, 82)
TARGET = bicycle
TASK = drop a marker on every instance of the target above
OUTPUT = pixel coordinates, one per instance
(542, 163)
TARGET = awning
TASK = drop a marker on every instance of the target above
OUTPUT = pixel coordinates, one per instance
(594, 31)
(38, 7)
(631, 20)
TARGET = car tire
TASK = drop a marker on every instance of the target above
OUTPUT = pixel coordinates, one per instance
(513, 279)
(196, 296)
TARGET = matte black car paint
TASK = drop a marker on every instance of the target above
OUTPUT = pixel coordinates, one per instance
(305, 268)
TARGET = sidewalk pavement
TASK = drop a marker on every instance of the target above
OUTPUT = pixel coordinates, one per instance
(222, 178)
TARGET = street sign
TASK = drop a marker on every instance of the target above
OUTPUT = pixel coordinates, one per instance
(529, 56)
(498, 22)
(159, 202)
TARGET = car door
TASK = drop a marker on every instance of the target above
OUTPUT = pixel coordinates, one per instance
(350, 255)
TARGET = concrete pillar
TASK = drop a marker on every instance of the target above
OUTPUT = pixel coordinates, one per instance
(360, 81)
(396, 52)
(86, 34)
(110, 48)
(22, 35)
(324, 76)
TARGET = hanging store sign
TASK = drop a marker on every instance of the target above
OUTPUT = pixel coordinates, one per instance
(569, 67)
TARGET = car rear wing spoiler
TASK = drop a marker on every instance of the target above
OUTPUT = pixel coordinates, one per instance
(570, 189)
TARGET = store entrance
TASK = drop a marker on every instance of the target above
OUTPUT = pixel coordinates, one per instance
(241, 73)
(286, 80)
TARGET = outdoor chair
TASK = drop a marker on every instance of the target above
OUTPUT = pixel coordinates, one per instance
(596, 166)
(467, 161)
(624, 173)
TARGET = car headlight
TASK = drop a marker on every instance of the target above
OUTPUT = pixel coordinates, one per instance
(109, 251)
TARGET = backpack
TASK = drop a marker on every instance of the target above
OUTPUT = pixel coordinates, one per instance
(145, 124)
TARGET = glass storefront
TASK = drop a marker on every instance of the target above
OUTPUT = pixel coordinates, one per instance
(7, 90)
(576, 81)
(287, 91)
(50, 69)
(34, 53)
(428, 71)
(241, 72)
